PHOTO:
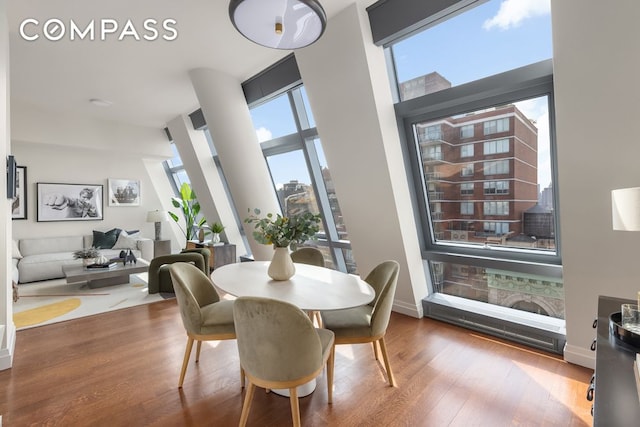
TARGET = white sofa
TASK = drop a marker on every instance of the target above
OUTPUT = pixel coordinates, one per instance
(43, 258)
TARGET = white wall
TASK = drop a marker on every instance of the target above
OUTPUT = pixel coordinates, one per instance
(353, 108)
(7, 329)
(58, 164)
(596, 69)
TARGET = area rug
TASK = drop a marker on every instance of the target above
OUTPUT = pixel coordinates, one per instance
(51, 301)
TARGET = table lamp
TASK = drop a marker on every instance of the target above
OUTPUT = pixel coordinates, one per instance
(625, 211)
(157, 217)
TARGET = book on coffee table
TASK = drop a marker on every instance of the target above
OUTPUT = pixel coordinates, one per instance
(106, 265)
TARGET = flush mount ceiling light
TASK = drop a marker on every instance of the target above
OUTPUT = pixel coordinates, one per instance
(279, 24)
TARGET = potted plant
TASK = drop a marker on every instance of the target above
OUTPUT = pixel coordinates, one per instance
(284, 233)
(87, 255)
(188, 204)
(216, 228)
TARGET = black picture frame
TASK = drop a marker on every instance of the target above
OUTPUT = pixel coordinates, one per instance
(11, 177)
(69, 202)
(20, 202)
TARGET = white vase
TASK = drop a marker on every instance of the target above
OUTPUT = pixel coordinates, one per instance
(281, 267)
(215, 238)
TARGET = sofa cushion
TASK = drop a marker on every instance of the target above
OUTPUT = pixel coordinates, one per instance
(15, 251)
(105, 240)
(126, 240)
(44, 266)
(46, 245)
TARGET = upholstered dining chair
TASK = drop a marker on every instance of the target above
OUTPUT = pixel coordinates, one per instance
(308, 255)
(159, 277)
(368, 323)
(311, 256)
(204, 315)
(280, 348)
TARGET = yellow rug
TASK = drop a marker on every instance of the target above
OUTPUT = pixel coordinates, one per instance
(45, 312)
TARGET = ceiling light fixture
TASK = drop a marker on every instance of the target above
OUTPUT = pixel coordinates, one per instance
(279, 24)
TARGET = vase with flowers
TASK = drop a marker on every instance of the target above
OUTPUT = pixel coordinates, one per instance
(284, 233)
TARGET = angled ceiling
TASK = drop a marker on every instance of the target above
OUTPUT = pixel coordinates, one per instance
(147, 81)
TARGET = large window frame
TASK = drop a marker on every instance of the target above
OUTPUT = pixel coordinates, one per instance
(304, 140)
(523, 83)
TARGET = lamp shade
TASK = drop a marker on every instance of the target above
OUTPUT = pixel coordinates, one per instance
(157, 216)
(279, 24)
(625, 209)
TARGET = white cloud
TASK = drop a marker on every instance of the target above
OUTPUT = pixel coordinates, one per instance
(513, 12)
(263, 134)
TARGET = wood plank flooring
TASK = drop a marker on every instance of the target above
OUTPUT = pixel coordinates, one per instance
(121, 369)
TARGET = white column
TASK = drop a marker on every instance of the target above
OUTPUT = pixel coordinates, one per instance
(227, 115)
(345, 77)
(7, 328)
(196, 156)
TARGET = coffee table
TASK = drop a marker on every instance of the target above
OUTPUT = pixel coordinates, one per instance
(99, 278)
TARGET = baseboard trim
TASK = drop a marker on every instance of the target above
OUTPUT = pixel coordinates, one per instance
(408, 309)
(6, 354)
(580, 356)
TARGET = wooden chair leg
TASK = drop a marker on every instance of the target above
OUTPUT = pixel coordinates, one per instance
(241, 377)
(295, 406)
(185, 361)
(330, 364)
(246, 406)
(387, 365)
(198, 351)
(375, 349)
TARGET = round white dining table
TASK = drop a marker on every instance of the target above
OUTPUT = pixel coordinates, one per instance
(311, 288)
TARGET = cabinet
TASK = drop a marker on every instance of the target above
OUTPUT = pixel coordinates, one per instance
(220, 254)
(615, 394)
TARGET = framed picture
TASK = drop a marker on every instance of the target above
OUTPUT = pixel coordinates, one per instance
(19, 203)
(69, 202)
(124, 192)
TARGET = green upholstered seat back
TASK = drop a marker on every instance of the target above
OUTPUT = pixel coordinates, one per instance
(194, 290)
(383, 279)
(276, 340)
(311, 256)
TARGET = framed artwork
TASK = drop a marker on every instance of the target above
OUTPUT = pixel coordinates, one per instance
(19, 202)
(124, 192)
(69, 202)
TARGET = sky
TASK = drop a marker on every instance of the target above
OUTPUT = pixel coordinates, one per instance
(496, 36)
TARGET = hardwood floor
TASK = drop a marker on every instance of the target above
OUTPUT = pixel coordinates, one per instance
(121, 369)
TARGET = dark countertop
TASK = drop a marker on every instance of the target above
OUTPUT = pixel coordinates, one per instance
(616, 397)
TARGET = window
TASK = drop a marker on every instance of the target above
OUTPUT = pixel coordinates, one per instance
(467, 170)
(466, 131)
(432, 152)
(496, 208)
(466, 188)
(466, 208)
(497, 146)
(496, 167)
(515, 122)
(466, 150)
(495, 126)
(496, 187)
(497, 228)
(300, 173)
(432, 133)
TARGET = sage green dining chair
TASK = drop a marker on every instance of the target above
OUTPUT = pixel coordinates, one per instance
(204, 315)
(368, 323)
(280, 348)
(310, 256)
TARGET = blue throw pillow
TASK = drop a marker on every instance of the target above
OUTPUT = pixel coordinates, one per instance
(105, 240)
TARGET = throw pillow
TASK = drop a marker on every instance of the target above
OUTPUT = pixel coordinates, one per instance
(16, 251)
(105, 240)
(126, 240)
